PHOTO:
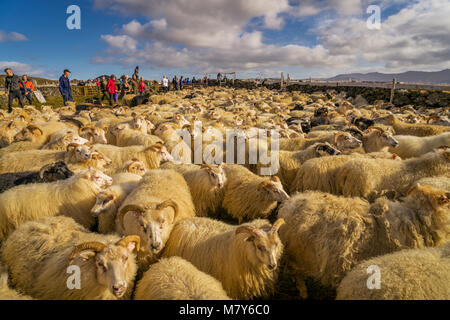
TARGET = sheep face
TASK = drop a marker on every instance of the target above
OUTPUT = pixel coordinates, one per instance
(216, 175)
(81, 153)
(263, 245)
(152, 222)
(344, 141)
(137, 167)
(98, 178)
(273, 189)
(325, 149)
(30, 133)
(115, 265)
(93, 134)
(165, 155)
(100, 160)
(385, 138)
(161, 129)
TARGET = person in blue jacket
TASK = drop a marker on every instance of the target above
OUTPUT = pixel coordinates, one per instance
(64, 87)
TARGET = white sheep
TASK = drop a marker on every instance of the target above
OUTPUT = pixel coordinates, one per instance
(248, 196)
(152, 156)
(177, 279)
(243, 258)
(363, 177)
(325, 236)
(419, 274)
(109, 200)
(73, 197)
(413, 147)
(160, 200)
(52, 248)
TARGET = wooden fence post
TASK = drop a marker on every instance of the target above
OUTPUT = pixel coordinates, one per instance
(392, 91)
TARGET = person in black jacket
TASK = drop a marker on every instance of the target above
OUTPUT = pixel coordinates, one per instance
(12, 88)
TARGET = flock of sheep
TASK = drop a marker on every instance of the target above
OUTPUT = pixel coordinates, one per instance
(102, 190)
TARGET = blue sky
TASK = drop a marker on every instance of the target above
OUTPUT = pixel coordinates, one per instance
(303, 37)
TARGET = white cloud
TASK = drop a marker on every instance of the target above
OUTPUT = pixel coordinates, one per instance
(21, 68)
(229, 35)
(12, 36)
(415, 38)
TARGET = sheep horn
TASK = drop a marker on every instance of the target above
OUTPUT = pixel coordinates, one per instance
(169, 203)
(412, 189)
(125, 241)
(44, 168)
(32, 127)
(375, 128)
(128, 208)
(336, 137)
(95, 246)
(276, 226)
(72, 145)
(82, 129)
(25, 116)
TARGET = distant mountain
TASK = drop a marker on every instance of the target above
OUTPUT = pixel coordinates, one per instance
(439, 77)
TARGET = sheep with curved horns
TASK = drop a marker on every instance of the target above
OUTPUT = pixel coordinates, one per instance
(32, 133)
(243, 258)
(48, 173)
(362, 177)
(206, 184)
(325, 236)
(160, 200)
(8, 130)
(290, 162)
(109, 200)
(73, 197)
(33, 160)
(152, 156)
(248, 196)
(177, 279)
(413, 147)
(320, 173)
(376, 139)
(419, 274)
(93, 134)
(50, 246)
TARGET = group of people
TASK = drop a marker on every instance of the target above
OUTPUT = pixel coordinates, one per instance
(112, 88)
(17, 88)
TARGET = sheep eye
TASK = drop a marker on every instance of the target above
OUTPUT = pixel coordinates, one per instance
(261, 248)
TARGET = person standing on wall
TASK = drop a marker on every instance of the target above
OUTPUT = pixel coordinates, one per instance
(12, 88)
(111, 89)
(64, 87)
(165, 84)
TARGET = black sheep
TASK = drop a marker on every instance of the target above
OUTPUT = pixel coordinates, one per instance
(49, 173)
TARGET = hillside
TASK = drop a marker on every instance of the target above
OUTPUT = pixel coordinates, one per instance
(439, 77)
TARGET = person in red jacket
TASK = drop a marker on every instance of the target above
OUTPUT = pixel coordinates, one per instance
(111, 89)
(141, 86)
